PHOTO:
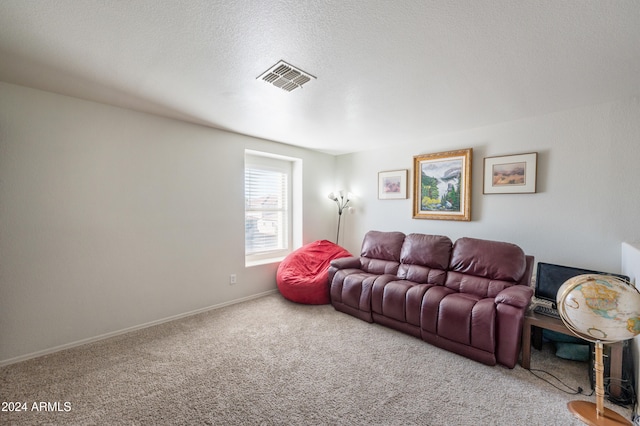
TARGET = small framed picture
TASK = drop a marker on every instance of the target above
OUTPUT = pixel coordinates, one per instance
(392, 185)
(510, 174)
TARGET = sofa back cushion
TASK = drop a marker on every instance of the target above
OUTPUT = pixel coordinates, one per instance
(380, 252)
(483, 267)
(425, 258)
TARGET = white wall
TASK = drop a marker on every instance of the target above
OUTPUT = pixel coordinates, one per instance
(588, 198)
(631, 268)
(110, 219)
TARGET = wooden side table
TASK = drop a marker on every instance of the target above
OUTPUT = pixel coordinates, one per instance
(533, 325)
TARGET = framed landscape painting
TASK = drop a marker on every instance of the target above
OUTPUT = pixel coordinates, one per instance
(510, 174)
(392, 185)
(442, 185)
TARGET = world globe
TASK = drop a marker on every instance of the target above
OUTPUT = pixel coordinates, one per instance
(600, 308)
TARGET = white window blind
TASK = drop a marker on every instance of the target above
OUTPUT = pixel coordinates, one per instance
(267, 187)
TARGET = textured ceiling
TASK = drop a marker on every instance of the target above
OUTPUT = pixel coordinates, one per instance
(388, 72)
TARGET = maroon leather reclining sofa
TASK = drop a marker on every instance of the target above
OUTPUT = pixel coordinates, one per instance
(469, 297)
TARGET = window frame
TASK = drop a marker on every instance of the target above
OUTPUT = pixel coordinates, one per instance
(291, 168)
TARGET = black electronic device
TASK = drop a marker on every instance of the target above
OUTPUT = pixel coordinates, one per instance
(550, 277)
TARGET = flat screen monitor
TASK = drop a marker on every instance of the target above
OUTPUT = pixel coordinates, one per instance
(550, 277)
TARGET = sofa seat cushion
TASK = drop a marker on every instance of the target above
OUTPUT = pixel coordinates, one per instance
(477, 286)
(430, 308)
(466, 319)
(399, 300)
(379, 266)
(353, 289)
(459, 317)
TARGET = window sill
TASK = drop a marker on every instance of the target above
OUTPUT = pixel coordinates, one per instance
(250, 263)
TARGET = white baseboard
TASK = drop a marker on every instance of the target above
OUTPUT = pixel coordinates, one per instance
(129, 329)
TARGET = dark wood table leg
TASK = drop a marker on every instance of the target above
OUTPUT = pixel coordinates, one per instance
(526, 344)
(615, 369)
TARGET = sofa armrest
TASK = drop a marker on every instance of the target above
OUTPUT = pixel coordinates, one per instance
(349, 264)
(346, 263)
(516, 295)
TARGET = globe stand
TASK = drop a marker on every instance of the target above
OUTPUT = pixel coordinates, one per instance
(601, 309)
(597, 414)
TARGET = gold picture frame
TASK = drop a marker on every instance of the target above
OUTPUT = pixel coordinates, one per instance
(442, 185)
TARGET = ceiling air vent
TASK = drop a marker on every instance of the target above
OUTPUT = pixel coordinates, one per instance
(285, 76)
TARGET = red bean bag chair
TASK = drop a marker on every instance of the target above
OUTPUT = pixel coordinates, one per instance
(303, 275)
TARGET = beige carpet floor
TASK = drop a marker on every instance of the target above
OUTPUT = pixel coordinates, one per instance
(272, 362)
